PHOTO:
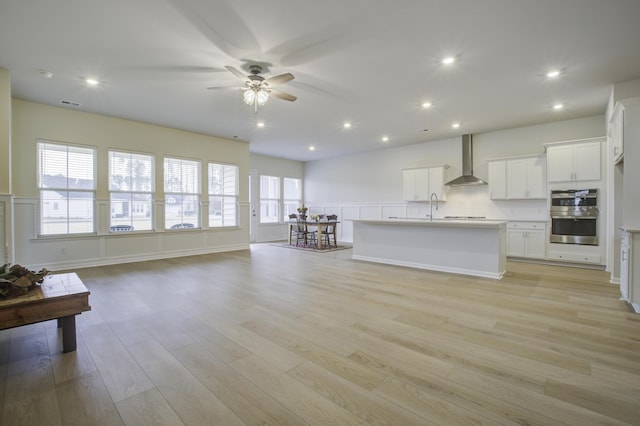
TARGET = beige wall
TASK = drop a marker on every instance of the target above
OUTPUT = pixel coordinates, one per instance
(32, 121)
(5, 132)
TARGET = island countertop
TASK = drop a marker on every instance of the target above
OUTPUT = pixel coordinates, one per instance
(464, 223)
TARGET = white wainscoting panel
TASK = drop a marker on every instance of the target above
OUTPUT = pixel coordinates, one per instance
(370, 212)
(399, 210)
(68, 252)
(348, 212)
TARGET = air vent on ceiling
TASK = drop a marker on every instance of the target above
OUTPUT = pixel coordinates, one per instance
(70, 103)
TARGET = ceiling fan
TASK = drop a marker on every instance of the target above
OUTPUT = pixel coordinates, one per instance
(257, 88)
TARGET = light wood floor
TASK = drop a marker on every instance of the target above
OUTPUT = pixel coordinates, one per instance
(280, 336)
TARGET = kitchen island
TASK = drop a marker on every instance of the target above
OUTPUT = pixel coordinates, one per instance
(469, 247)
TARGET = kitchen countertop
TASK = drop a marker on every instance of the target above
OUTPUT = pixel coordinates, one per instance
(624, 228)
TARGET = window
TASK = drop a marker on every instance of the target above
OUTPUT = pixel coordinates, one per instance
(292, 196)
(223, 195)
(131, 191)
(269, 199)
(66, 179)
(181, 193)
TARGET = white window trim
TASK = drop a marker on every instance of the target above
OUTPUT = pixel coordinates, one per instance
(42, 188)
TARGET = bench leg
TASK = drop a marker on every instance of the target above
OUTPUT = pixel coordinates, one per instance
(68, 333)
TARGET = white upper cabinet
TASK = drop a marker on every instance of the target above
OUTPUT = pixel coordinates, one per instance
(420, 183)
(579, 161)
(518, 178)
(415, 184)
(436, 182)
(498, 180)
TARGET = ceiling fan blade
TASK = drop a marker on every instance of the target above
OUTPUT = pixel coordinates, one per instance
(223, 87)
(279, 79)
(282, 95)
(236, 72)
(219, 22)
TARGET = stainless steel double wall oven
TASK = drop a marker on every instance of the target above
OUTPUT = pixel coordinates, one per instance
(574, 216)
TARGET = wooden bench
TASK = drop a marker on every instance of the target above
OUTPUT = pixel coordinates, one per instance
(61, 297)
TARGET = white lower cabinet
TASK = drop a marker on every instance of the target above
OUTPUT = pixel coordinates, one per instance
(629, 267)
(526, 239)
(563, 256)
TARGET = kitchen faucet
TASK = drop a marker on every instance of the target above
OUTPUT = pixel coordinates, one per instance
(433, 194)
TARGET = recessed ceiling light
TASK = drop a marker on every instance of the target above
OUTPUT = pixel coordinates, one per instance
(448, 60)
(426, 105)
(347, 125)
(385, 139)
(558, 106)
(455, 125)
(92, 82)
(553, 74)
(260, 124)
(312, 148)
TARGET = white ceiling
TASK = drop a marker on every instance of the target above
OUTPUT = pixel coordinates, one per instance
(370, 62)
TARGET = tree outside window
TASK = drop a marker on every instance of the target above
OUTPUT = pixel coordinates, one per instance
(181, 193)
(131, 181)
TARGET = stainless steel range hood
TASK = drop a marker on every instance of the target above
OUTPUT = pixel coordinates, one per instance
(467, 178)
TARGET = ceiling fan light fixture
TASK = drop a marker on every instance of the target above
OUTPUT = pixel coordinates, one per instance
(249, 96)
(262, 96)
(255, 96)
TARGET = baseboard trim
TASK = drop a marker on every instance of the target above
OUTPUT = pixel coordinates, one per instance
(557, 263)
(58, 266)
(473, 272)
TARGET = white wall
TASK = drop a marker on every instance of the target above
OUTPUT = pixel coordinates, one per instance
(33, 121)
(620, 91)
(626, 90)
(370, 184)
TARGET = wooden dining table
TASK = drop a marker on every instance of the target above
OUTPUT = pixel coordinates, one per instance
(318, 224)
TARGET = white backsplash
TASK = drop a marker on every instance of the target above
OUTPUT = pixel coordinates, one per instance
(474, 201)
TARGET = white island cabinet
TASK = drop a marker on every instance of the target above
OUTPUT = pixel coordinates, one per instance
(466, 247)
